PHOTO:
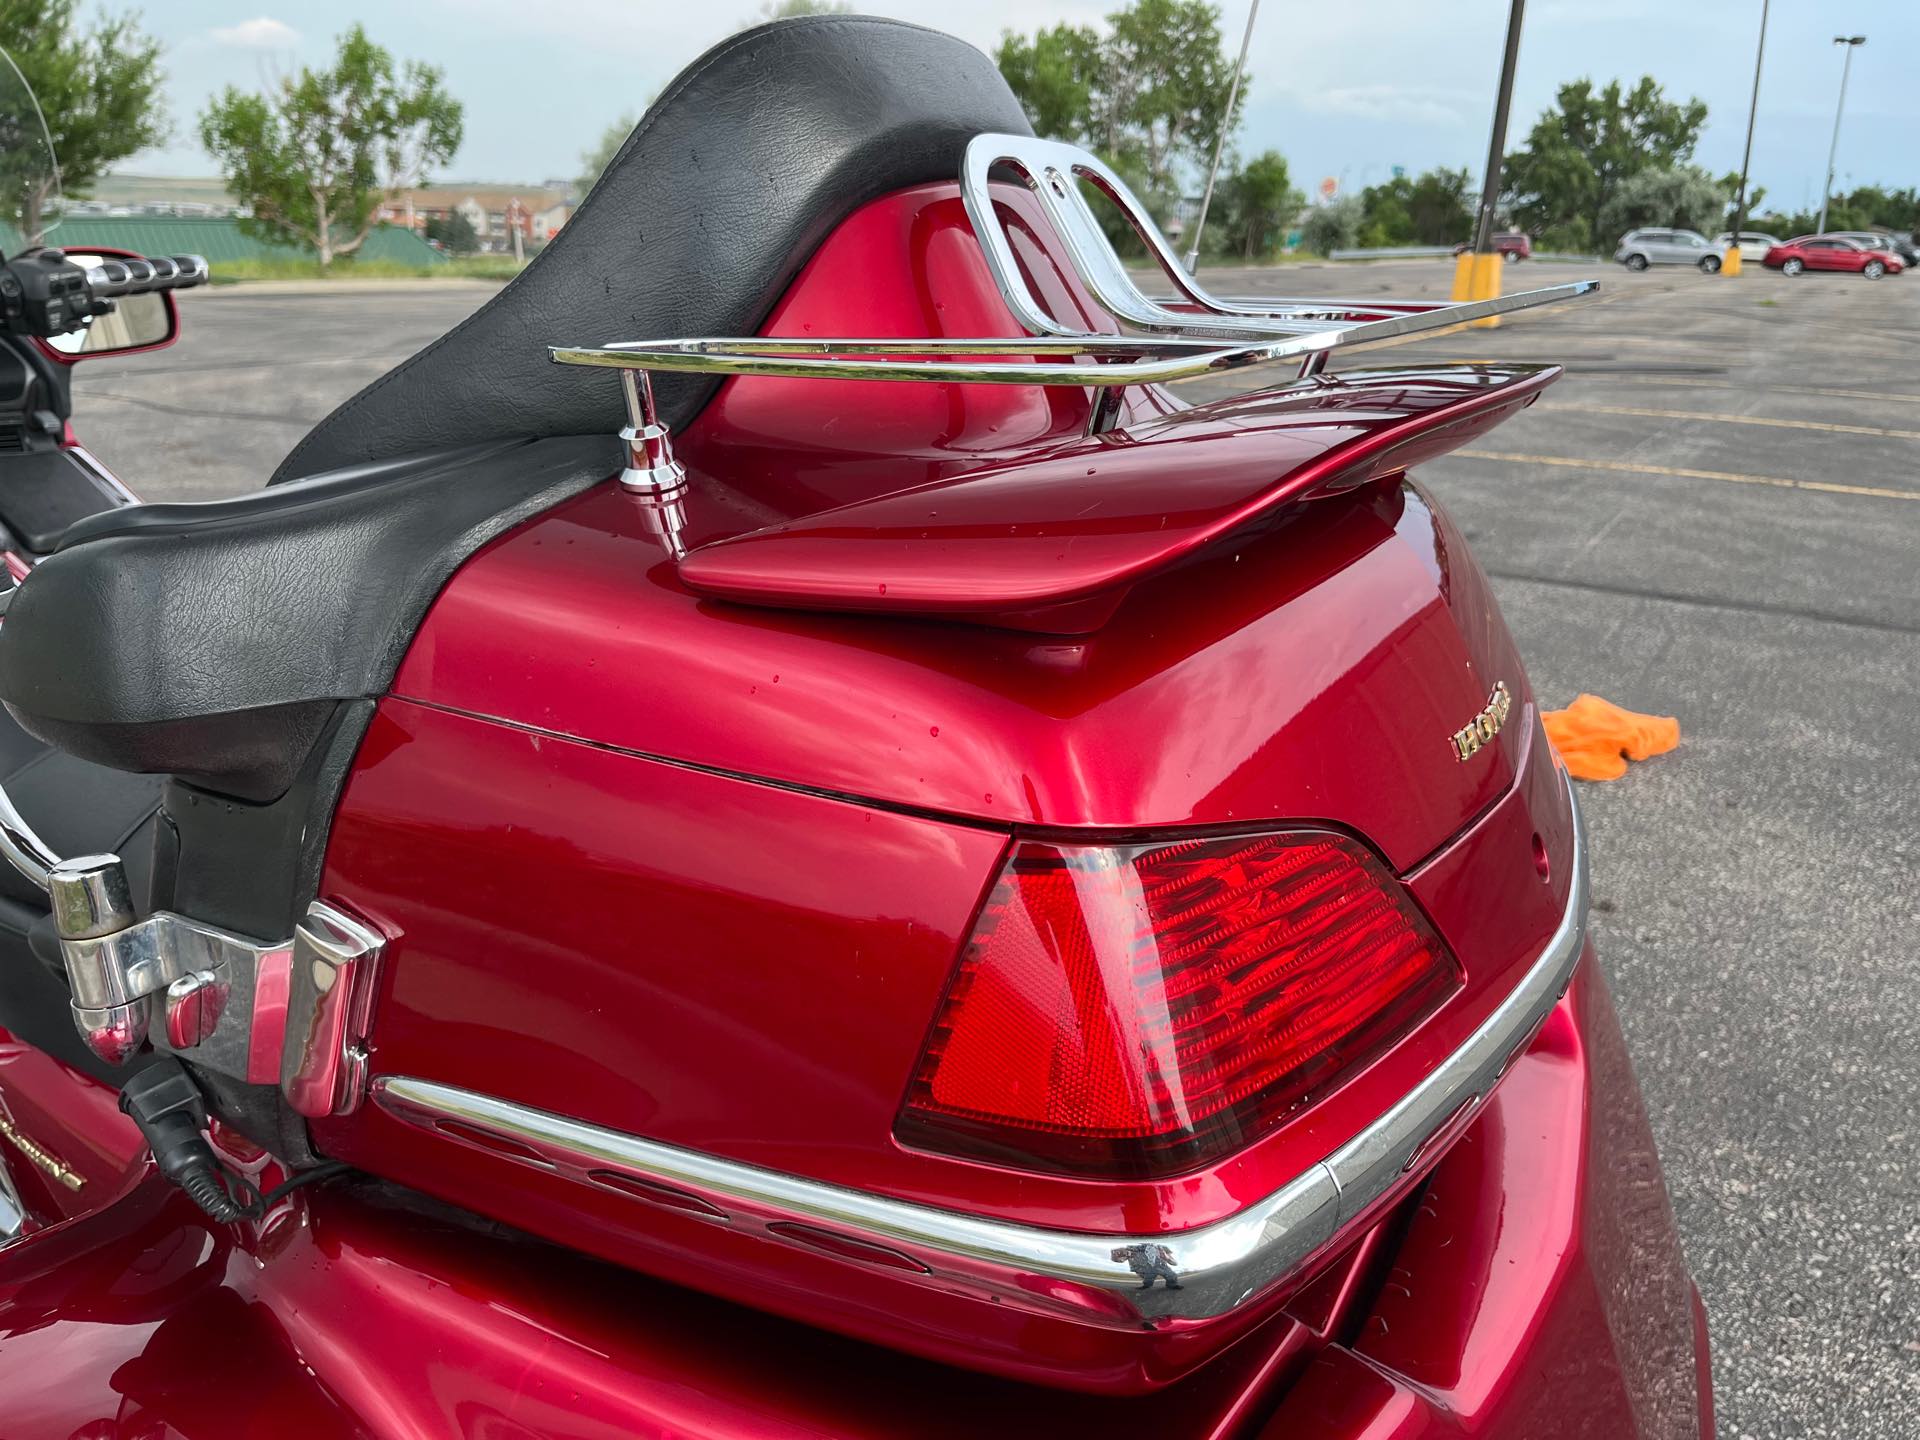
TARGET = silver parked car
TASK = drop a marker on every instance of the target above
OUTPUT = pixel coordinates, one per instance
(1640, 248)
(1754, 244)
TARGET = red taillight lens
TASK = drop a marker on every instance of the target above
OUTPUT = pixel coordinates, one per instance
(1135, 1011)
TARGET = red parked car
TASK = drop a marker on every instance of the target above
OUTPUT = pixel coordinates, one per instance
(884, 876)
(1832, 252)
(1512, 246)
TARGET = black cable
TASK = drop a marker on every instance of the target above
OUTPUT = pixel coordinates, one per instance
(305, 1177)
(167, 1105)
(260, 1202)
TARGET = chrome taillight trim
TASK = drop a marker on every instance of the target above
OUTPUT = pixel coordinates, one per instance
(1108, 1280)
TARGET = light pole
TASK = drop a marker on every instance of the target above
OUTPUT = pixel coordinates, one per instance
(1476, 274)
(1220, 142)
(1834, 149)
(1731, 264)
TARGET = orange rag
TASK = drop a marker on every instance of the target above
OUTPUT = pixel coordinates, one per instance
(1593, 734)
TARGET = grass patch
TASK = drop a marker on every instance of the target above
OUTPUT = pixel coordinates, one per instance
(459, 267)
(1769, 302)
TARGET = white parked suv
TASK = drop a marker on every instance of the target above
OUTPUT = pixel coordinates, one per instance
(1753, 244)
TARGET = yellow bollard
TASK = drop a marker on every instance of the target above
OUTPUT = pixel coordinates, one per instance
(1463, 276)
(1730, 265)
(1486, 285)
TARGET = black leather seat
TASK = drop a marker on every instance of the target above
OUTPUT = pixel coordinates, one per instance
(216, 642)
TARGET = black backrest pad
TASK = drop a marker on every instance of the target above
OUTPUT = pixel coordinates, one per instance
(723, 191)
(213, 641)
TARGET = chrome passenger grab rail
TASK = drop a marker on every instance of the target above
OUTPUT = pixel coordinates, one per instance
(22, 846)
(1194, 334)
(1204, 335)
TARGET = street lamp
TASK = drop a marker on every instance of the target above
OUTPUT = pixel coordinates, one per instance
(1731, 264)
(1220, 140)
(1476, 274)
(1834, 149)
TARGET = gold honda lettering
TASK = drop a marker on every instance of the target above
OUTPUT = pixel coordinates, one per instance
(45, 1159)
(1479, 731)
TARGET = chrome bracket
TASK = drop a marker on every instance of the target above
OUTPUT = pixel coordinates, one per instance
(323, 1069)
(295, 1013)
(652, 474)
(187, 987)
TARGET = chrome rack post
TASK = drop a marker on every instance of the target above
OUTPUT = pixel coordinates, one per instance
(652, 473)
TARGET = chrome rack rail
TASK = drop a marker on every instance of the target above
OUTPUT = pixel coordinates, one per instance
(1193, 333)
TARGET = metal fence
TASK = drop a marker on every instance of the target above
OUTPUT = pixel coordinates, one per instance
(1393, 252)
(222, 240)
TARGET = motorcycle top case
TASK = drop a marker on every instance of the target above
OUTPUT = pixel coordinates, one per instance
(662, 985)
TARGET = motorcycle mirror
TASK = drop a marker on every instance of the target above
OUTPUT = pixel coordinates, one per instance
(136, 322)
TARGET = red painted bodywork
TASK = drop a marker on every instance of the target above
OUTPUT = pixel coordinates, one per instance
(1536, 1293)
(699, 870)
(745, 939)
(1089, 520)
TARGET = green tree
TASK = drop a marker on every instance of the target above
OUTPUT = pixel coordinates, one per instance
(1384, 218)
(1730, 182)
(1152, 89)
(594, 163)
(1442, 208)
(1588, 143)
(1685, 197)
(1053, 75)
(99, 90)
(794, 9)
(456, 232)
(1432, 210)
(317, 155)
(1166, 79)
(1334, 225)
(1870, 207)
(1257, 206)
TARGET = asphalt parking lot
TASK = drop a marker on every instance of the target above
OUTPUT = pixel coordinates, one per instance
(1715, 515)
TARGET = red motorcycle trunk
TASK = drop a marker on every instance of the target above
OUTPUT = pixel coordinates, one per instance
(696, 874)
(720, 861)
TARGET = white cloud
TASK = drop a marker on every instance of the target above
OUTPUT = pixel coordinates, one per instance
(1411, 104)
(259, 34)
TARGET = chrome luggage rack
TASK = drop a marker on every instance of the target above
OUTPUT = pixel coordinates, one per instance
(1192, 334)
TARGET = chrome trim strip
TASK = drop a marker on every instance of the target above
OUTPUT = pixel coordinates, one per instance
(1107, 1280)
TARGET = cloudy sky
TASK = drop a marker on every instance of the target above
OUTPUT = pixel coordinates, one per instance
(1342, 90)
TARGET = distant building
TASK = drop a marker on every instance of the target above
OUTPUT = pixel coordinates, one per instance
(495, 214)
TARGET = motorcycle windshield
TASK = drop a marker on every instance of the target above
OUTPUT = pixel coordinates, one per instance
(30, 201)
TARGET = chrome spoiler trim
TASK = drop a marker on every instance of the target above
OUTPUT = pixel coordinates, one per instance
(1097, 1279)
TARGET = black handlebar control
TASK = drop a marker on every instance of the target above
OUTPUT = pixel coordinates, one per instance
(44, 293)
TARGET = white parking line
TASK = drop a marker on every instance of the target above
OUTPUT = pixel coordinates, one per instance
(1726, 419)
(1728, 476)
